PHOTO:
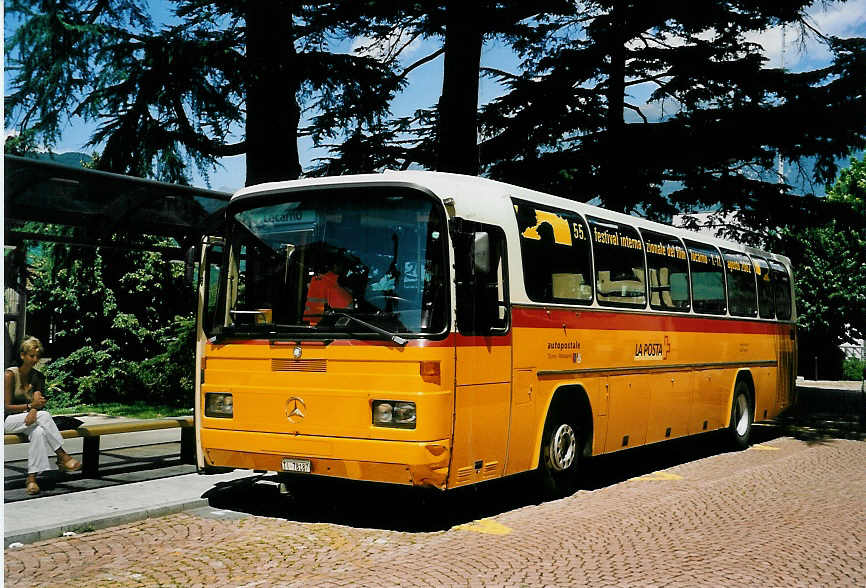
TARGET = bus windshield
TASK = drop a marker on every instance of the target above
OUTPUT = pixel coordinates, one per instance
(338, 263)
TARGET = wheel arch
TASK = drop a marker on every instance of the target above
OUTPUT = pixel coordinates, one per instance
(569, 399)
(744, 375)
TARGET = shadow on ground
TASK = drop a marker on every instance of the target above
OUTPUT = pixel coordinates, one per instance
(397, 508)
(821, 415)
(116, 467)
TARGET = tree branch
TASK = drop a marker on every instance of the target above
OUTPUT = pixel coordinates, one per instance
(499, 72)
(393, 55)
(420, 62)
(659, 79)
(204, 143)
(637, 110)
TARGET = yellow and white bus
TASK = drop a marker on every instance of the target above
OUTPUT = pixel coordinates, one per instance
(439, 330)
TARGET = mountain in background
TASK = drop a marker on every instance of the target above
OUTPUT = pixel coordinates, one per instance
(71, 159)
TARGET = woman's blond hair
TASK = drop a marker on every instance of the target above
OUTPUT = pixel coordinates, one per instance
(30, 344)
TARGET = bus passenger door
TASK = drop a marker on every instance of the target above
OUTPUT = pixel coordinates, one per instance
(483, 355)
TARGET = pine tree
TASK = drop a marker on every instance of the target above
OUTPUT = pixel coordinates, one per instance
(441, 136)
(228, 78)
(568, 124)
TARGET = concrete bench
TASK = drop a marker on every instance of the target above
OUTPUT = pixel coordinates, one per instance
(92, 433)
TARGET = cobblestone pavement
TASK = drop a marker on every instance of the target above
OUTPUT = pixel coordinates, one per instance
(783, 513)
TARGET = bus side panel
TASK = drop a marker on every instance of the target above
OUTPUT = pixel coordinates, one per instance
(765, 392)
(532, 394)
(670, 406)
(523, 422)
(711, 396)
(786, 349)
(663, 376)
(629, 411)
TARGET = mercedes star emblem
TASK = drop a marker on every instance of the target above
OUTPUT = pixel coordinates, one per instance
(295, 408)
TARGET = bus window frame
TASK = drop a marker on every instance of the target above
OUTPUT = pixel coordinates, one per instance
(739, 254)
(459, 230)
(765, 268)
(614, 304)
(790, 293)
(590, 258)
(669, 237)
(257, 200)
(691, 244)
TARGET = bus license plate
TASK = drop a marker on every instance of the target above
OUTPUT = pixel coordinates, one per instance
(296, 465)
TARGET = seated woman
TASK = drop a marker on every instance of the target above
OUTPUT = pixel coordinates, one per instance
(25, 402)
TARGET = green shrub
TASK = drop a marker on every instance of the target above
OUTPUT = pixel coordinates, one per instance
(852, 368)
(102, 375)
(120, 323)
(169, 377)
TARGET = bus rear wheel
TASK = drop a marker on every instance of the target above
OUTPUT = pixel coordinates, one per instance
(740, 426)
(560, 457)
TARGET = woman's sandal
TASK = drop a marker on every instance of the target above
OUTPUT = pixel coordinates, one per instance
(68, 464)
(32, 487)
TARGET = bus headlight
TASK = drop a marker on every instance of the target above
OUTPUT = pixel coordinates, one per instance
(218, 405)
(394, 413)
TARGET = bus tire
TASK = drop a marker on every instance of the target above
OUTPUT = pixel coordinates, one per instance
(742, 411)
(561, 453)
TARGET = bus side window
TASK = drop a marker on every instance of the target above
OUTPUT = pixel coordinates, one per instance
(620, 277)
(708, 278)
(742, 295)
(782, 290)
(556, 259)
(766, 308)
(668, 271)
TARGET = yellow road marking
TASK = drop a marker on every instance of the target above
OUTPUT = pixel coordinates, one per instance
(488, 526)
(765, 448)
(656, 476)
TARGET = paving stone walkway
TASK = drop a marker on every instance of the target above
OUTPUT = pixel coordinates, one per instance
(783, 513)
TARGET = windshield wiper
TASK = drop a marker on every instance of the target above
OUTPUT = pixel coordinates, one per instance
(345, 318)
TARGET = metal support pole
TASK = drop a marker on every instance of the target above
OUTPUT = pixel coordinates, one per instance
(187, 445)
(90, 458)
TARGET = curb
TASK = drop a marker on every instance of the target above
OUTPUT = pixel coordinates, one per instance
(90, 523)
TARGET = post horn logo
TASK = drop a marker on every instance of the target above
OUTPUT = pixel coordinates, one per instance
(295, 408)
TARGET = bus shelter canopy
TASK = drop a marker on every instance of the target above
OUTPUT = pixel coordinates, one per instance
(103, 204)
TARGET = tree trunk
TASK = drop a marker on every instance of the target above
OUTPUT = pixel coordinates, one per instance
(613, 165)
(272, 107)
(458, 106)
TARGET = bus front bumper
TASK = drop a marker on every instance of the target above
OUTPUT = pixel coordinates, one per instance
(418, 463)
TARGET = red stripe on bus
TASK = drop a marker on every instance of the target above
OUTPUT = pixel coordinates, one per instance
(626, 321)
(477, 341)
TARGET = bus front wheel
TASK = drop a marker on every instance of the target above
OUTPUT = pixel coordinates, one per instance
(740, 427)
(560, 456)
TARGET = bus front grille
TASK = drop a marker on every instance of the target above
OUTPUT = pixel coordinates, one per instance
(299, 365)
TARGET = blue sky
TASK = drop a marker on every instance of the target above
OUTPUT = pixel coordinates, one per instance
(425, 82)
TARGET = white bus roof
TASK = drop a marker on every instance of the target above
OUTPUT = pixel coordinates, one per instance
(489, 201)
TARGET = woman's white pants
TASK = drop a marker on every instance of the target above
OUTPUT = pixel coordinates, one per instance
(44, 437)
